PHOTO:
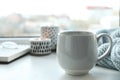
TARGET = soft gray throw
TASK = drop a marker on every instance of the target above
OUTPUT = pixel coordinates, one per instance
(111, 61)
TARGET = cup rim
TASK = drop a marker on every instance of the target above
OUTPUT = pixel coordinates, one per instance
(76, 33)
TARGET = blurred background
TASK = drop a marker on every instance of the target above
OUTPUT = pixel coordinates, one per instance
(25, 17)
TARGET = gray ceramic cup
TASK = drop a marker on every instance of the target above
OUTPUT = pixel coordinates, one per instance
(77, 51)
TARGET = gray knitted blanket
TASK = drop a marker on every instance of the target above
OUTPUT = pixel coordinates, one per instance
(112, 61)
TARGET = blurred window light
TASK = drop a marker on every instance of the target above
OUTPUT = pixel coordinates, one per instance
(24, 17)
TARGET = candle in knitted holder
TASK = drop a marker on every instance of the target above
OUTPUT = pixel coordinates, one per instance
(40, 46)
(52, 33)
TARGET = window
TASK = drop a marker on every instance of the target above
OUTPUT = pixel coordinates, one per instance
(25, 17)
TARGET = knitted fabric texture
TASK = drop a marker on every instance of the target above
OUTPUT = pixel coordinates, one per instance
(112, 60)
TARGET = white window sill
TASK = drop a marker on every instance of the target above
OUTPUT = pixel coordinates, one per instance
(18, 40)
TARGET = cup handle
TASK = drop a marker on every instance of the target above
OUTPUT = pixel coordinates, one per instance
(109, 48)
